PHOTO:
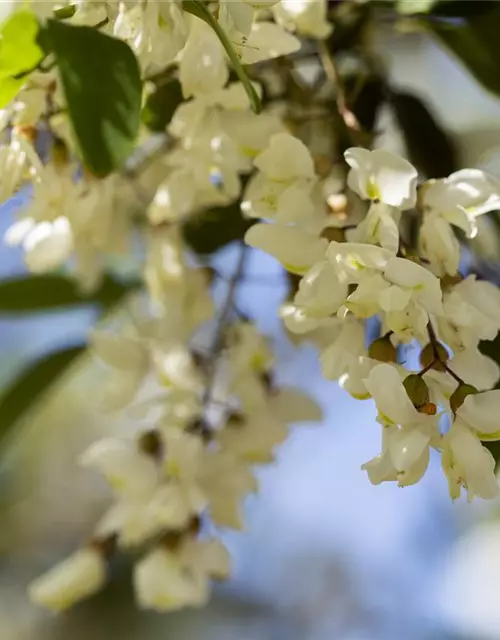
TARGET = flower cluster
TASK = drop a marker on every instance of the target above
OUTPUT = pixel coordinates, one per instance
(418, 296)
(199, 380)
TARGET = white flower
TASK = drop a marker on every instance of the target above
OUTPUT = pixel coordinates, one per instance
(265, 42)
(396, 444)
(307, 17)
(468, 464)
(174, 198)
(286, 159)
(471, 312)
(253, 438)
(47, 245)
(408, 446)
(226, 480)
(16, 160)
(128, 358)
(321, 292)
(461, 197)
(169, 579)
(379, 227)
(382, 176)
(203, 67)
(358, 261)
(338, 359)
(297, 250)
(439, 245)
(156, 31)
(74, 579)
(131, 473)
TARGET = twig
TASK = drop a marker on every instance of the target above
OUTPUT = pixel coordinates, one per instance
(219, 337)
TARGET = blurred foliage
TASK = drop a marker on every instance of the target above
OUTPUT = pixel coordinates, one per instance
(47, 293)
(214, 228)
(430, 148)
(32, 294)
(161, 104)
(30, 385)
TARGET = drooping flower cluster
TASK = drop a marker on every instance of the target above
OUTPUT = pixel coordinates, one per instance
(198, 380)
(418, 295)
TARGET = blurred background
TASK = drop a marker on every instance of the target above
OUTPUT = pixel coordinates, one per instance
(324, 555)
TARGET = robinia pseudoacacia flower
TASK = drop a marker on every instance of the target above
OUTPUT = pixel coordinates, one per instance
(200, 379)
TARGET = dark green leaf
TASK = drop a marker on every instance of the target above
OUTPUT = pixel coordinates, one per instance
(31, 384)
(367, 101)
(102, 84)
(49, 293)
(161, 105)
(198, 8)
(475, 41)
(429, 146)
(213, 229)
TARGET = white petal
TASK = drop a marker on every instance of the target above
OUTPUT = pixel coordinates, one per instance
(407, 448)
(74, 579)
(286, 158)
(266, 41)
(295, 249)
(425, 287)
(386, 388)
(482, 412)
(48, 245)
(479, 370)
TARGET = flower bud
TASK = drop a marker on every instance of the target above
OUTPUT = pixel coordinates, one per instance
(435, 354)
(450, 281)
(417, 390)
(151, 444)
(458, 396)
(383, 350)
(59, 153)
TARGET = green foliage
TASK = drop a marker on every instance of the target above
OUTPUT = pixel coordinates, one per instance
(102, 84)
(214, 228)
(198, 8)
(429, 147)
(473, 38)
(161, 105)
(31, 384)
(50, 293)
(19, 52)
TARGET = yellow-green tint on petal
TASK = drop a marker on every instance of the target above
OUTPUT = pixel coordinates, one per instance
(385, 419)
(372, 190)
(297, 269)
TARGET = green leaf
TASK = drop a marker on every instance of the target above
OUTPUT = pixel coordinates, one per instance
(430, 148)
(19, 50)
(197, 8)
(9, 88)
(102, 83)
(161, 105)
(19, 53)
(50, 293)
(213, 229)
(31, 384)
(474, 39)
